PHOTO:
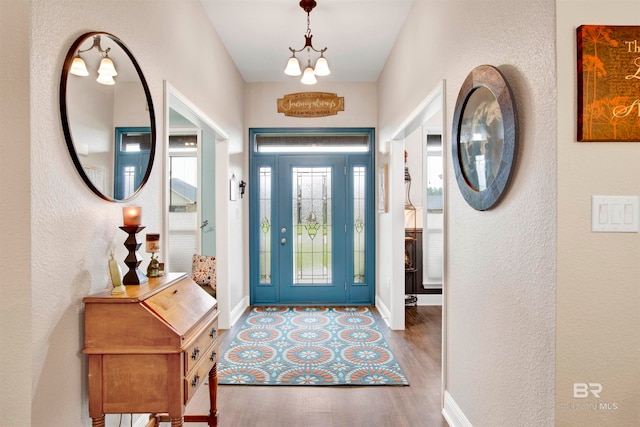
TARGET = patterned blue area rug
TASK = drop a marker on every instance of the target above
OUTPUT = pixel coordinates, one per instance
(309, 346)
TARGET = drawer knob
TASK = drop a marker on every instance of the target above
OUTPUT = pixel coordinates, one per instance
(195, 381)
(213, 356)
(213, 332)
(195, 353)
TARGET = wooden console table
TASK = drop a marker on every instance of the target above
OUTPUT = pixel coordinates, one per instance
(150, 349)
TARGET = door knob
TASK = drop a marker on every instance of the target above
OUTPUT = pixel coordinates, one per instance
(283, 240)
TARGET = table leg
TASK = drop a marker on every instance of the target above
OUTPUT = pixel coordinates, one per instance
(98, 421)
(213, 395)
(176, 422)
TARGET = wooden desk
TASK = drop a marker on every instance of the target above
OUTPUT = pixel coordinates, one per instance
(150, 349)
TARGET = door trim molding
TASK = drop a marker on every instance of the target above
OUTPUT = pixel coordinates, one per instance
(433, 103)
(174, 99)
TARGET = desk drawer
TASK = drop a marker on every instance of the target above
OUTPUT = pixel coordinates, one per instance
(198, 350)
(200, 371)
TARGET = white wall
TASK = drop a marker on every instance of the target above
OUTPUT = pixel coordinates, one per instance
(15, 221)
(500, 264)
(598, 323)
(72, 230)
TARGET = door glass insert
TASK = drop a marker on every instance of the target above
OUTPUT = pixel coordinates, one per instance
(265, 224)
(312, 245)
(359, 207)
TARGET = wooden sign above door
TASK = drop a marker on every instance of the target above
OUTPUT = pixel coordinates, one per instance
(310, 104)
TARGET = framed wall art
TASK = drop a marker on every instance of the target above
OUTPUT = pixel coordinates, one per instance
(608, 83)
(484, 137)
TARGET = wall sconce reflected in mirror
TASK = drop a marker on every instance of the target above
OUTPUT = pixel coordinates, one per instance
(106, 71)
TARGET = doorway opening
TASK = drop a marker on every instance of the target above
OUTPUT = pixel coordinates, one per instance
(182, 218)
(311, 216)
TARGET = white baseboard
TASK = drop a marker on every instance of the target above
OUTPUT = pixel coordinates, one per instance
(383, 310)
(238, 310)
(453, 414)
(429, 299)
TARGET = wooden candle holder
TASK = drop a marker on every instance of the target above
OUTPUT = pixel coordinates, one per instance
(134, 276)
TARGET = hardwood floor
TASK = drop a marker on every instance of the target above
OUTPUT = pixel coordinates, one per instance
(417, 349)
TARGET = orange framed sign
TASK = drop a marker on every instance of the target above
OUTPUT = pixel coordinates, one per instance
(608, 83)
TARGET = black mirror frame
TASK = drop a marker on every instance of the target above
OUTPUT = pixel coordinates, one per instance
(65, 119)
(491, 78)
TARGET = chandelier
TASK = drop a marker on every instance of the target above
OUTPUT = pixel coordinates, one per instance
(321, 67)
(106, 71)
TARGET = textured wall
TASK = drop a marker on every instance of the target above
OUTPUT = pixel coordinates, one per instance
(598, 324)
(500, 264)
(15, 245)
(73, 230)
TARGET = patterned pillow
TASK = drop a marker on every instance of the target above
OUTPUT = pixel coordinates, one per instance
(203, 270)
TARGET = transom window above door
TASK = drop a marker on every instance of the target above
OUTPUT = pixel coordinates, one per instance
(283, 143)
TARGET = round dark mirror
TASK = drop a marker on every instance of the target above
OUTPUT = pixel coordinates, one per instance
(485, 137)
(107, 116)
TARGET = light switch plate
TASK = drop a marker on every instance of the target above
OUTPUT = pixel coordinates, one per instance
(615, 214)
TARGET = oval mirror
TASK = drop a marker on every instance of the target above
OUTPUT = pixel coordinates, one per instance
(485, 137)
(107, 116)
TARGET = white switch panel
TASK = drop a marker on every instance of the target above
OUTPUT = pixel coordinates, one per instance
(615, 214)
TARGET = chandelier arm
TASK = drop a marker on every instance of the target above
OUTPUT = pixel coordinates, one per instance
(96, 44)
(306, 46)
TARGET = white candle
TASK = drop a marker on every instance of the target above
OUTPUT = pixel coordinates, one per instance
(132, 216)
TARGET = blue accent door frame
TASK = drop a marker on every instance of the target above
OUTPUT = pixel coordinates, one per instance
(335, 227)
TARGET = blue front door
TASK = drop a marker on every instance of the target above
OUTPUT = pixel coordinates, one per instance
(311, 229)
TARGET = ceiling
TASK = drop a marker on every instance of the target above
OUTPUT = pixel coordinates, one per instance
(359, 35)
